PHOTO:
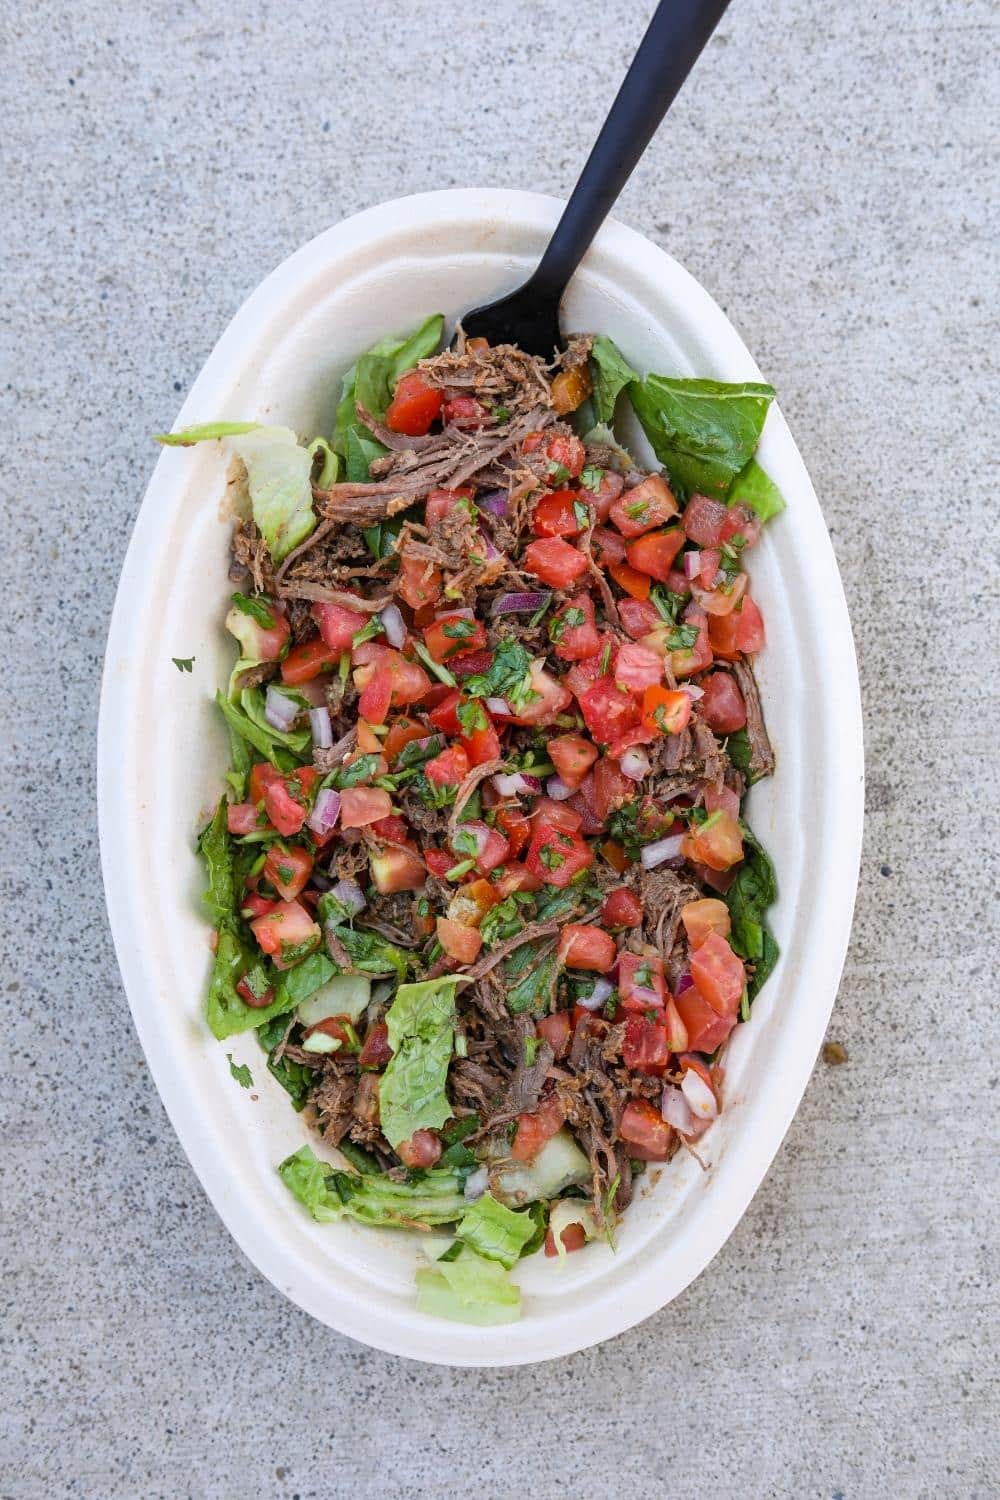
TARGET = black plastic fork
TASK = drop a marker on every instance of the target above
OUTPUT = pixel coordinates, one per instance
(669, 50)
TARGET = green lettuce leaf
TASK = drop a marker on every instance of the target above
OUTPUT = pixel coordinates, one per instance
(279, 477)
(373, 379)
(430, 1198)
(704, 432)
(362, 450)
(283, 749)
(611, 373)
(188, 436)
(298, 984)
(496, 1232)
(421, 1022)
(468, 1290)
(753, 890)
(755, 488)
(216, 850)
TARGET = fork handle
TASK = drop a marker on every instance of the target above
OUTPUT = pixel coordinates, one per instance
(669, 50)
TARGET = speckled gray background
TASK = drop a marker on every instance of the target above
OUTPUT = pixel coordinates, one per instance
(826, 175)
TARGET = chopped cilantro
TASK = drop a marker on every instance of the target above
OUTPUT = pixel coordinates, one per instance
(508, 676)
(240, 1072)
(551, 858)
(582, 513)
(682, 637)
(462, 868)
(558, 472)
(457, 630)
(637, 510)
(531, 1045)
(500, 415)
(568, 619)
(606, 659)
(368, 631)
(592, 477)
(183, 663)
(257, 609)
(472, 717)
(441, 673)
(667, 603)
(361, 769)
(465, 842)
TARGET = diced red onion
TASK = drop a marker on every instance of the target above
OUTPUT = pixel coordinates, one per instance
(634, 763)
(684, 983)
(495, 501)
(647, 996)
(676, 1111)
(692, 564)
(321, 728)
(480, 832)
(489, 551)
(655, 854)
(279, 710)
(394, 625)
(693, 692)
(517, 784)
(595, 1000)
(498, 706)
(557, 789)
(350, 894)
(633, 477)
(700, 1098)
(326, 811)
(519, 604)
(451, 614)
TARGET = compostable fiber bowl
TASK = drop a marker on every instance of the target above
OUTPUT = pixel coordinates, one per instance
(162, 753)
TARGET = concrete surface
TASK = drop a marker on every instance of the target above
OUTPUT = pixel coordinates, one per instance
(828, 175)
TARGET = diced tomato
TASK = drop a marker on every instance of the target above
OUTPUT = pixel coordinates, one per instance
(555, 855)
(677, 582)
(420, 582)
(608, 710)
(401, 733)
(723, 797)
(582, 946)
(654, 553)
(458, 940)
(422, 1150)
(552, 698)
(665, 710)
(414, 406)
(534, 1129)
(492, 846)
(640, 981)
(718, 974)
(555, 514)
(307, 660)
(717, 843)
(396, 868)
(582, 674)
(471, 663)
(611, 485)
(287, 868)
(637, 667)
(444, 715)
(338, 626)
(639, 617)
(607, 546)
(740, 521)
(654, 821)
(256, 999)
(612, 788)
(376, 694)
(439, 861)
(408, 680)
(703, 917)
(287, 926)
(454, 635)
(644, 1047)
(743, 630)
(441, 503)
(644, 506)
(286, 798)
(362, 805)
(255, 905)
(583, 802)
(694, 658)
(449, 768)
(555, 1030)
(705, 1028)
(555, 814)
(638, 735)
(515, 827)
(703, 520)
(375, 1051)
(566, 450)
(517, 877)
(241, 817)
(677, 1037)
(393, 829)
(259, 642)
(634, 583)
(723, 599)
(368, 742)
(572, 1236)
(463, 411)
(646, 1131)
(722, 706)
(554, 561)
(262, 773)
(615, 856)
(482, 745)
(572, 757)
(709, 559)
(622, 908)
(573, 631)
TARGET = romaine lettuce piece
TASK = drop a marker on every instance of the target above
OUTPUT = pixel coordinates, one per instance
(611, 373)
(373, 379)
(188, 436)
(495, 1231)
(421, 1023)
(468, 1290)
(703, 431)
(753, 890)
(430, 1198)
(279, 477)
(284, 749)
(755, 488)
(560, 1164)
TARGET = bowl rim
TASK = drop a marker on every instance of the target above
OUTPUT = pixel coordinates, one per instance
(803, 1028)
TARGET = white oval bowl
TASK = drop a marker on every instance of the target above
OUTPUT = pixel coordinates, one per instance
(162, 753)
